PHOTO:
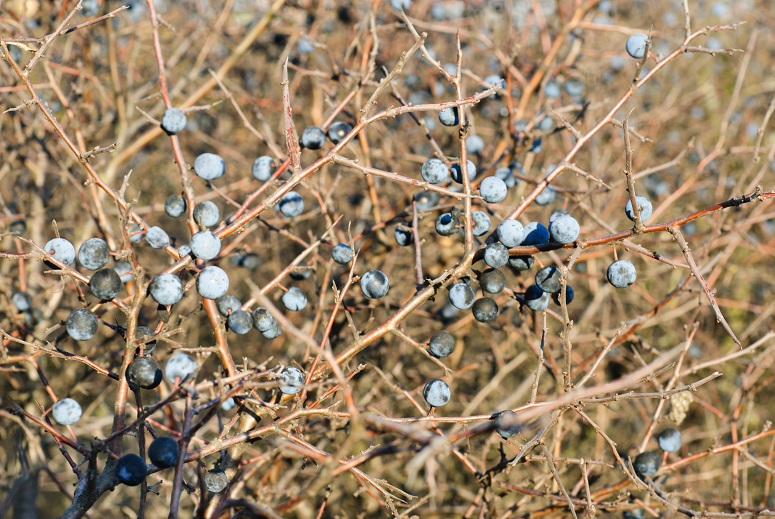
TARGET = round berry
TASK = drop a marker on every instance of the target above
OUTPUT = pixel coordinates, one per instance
(22, 301)
(645, 208)
(175, 206)
(81, 324)
(569, 293)
(301, 273)
(461, 296)
(621, 273)
(136, 233)
(546, 196)
(240, 322)
(164, 452)
(105, 284)
(536, 299)
(507, 175)
(124, 271)
(209, 166)
(496, 255)
(492, 281)
(250, 260)
(263, 168)
(510, 233)
(205, 245)
(636, 45)
(474, 144)
(426, 200)
(131, 470)
(399, 5)
(434, 171)
(338, 131)
(228, 304)
(263, 320)
(180, 366)
(312, 138)
(536, 233)
(507, 424)
(548, 279)
(173, 121)
(552, 89)
(157, 238)
(144, 372)
(61, 250)
(212, 282)
(574, 87)
(292, 379)
(436, 392)
(142, 334)
(493, 190)
(481, 223)
(449, 116)
(636, 513)
(485, 309)
(228, 404)
(646, 464)
(66, 411)
(215, 480)
(206, 213)
(342, 254)
(273, 332)
(166, 289)
(375, 284)
(564, 229)
(94, 253)
(446, 225)
(457, 173)
(294, 299)
(670, 440)
(441, 344)
(521, 262)
(403, 235)
(291, 204)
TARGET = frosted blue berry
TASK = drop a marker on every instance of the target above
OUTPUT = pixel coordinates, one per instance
(206, 213)
(184, 250)
(645, 208)
(492, 281)
(504, 173)
(312, 138)
(507, 424)
(94, 253)
(294, 299)
(291, 204)
(636, 513)
(263, 168)
(81, 324)
(131, 470)
(574, 87)
(180, 366)
(292, 379)
(552, 89)
(338, 131)
(228, 304)
(461, 296)
(228, 404)
(546, 196)
(569, 293)
(164, 452)
(521, 262)
(209, 166)
(457, 173)
(157, 238)
(441, 344)
(446, 225)
(646, 464)
(510, 233)
(493, 190)
(212, 282)
(403, 235)
(474, 144)
(449, 116)
(342, 254)
(670, 440)
(399, 5)
(536, 233)
(375, 284)
(166, 289)
(636, 45)
(22, 301)
(205, 245)
(481, 221)
(136, 233)
(494, 80)
(173, 121)
(496, 255)
(621, 273)
(434, 171)
(548, 279)
(66, 411)
(144, 372)
(485, 309)
(426, 200)
(263, 320)
(124, 271)
(240, 322)
(105, 284)
(436, 392)
(175, 206)
(61, 250)
(536, 299)
(564, 229)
